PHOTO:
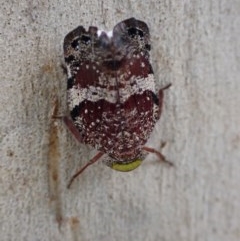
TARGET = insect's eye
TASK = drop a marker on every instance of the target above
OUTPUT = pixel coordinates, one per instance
(85, 39)
(135, 32)
(75, 43)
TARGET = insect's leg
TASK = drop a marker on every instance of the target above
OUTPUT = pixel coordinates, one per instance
(160, 93)
(166, 87)
(92, 161)
(160, 99)
(72, 128)
(159, 154)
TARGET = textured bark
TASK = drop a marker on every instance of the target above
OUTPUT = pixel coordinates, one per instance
(195, 46)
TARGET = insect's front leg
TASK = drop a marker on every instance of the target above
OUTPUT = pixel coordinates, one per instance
(159, 154)
(92, 161)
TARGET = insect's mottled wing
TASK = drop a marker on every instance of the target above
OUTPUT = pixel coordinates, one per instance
(79, 55)
(140, 105)
(111, 87)
(92, 89)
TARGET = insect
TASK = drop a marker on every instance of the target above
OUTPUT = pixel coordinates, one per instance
(111, 93)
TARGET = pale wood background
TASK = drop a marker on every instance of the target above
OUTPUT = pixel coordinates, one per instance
(196, 47)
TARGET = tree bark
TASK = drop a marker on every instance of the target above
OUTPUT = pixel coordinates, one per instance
(195, 46)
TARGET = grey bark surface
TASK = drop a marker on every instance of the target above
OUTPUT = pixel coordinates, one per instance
(196, 47)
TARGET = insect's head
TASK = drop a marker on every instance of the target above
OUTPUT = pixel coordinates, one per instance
(126, 167)
(127, 160)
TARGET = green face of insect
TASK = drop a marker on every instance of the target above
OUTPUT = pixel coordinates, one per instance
(126, 167)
